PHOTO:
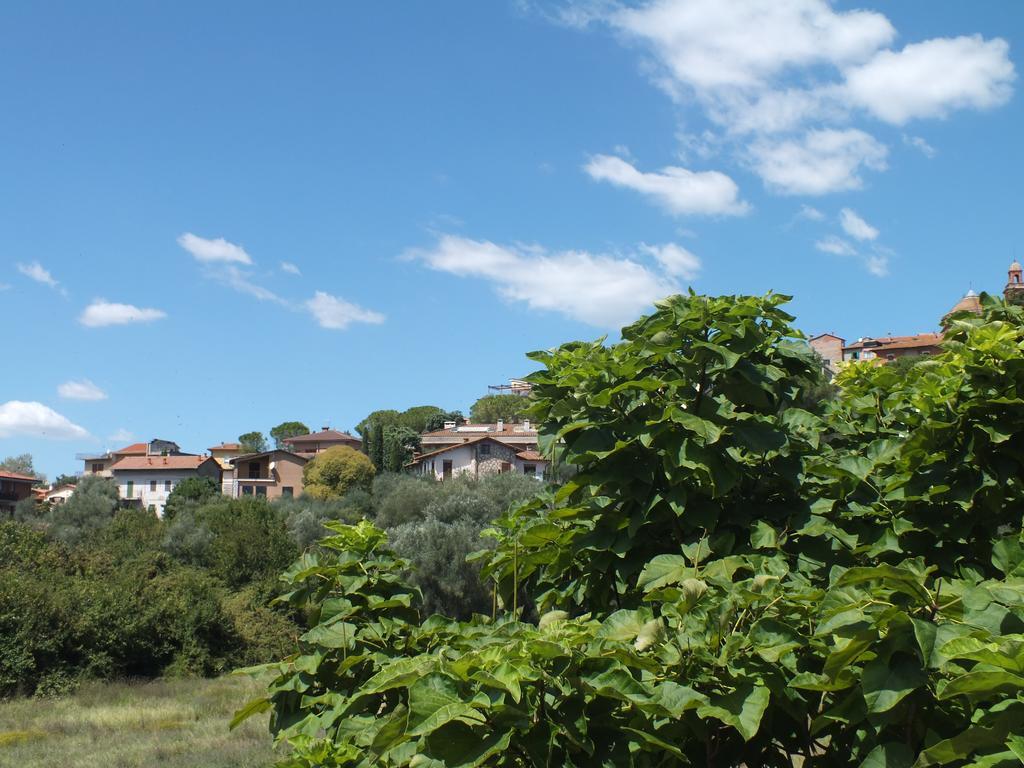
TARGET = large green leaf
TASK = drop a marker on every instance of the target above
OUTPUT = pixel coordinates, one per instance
(742, 709)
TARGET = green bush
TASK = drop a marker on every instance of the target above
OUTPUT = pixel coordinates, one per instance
(730, 579)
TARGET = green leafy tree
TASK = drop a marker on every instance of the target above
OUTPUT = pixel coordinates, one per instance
(287, 429)
(189, 494)
(88, 510)
(376, 450)
(252, 442)
(438, 420)
(60, 480)
(729, 580)
(400, 443)
(336, 471)
(22, 465)
(492, 408)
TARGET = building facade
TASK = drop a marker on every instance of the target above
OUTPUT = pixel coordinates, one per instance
(13, 488)
(270, 475)
(147, 481)
(483, 455)
(101, 463)
(315, 442)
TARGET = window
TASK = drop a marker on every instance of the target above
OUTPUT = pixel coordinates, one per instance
(152, 486)
(254, 470)
(97, 468)
(167, 485)
(529, 469)
(129, 490)
(287, 492)
(506, 466)
(261, 490)
(247, 490)
(485, 449)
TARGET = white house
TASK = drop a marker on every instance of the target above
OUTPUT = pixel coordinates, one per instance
(482, 455)
(60, 494)
(147, 481)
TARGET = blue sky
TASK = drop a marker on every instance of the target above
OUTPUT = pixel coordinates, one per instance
(453, 185)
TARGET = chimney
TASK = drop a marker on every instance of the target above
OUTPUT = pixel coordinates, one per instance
(324, 429)
(526, 424)
(501, 425)
(449, 425)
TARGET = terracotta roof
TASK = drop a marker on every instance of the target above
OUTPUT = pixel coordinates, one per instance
(530, 456)
(323, 434)
(509, 428)
(898, 342)
(15, 476)
(153, 463)
(823, 335)
(226, 447)
(134, 449)
(251, 456)
(969, 303)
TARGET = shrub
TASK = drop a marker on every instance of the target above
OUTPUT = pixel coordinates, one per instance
(189, 494)
(729, 580)
(332, 473)
(89, 509)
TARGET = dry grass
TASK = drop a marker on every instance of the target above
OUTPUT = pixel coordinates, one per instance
(172, 723)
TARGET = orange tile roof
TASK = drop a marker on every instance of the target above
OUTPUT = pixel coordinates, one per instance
(159, 462)
(15, 476)
(530, 456)
(133, 450)
(226, 447)
(898, 342)
(324, 434)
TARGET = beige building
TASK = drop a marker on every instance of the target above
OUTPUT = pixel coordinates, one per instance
(147, 481)
(270, 475)
(482, 455)
(13, 488)
(315, 442)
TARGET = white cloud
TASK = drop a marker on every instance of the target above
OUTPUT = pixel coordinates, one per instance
(597, 289)
(82, 389)
(836, 246)
(820, 162)
(674, 260)
(337, 314)
(217, 250)
(36, 271)
(287, 266)
(709, 44)
(102, 313)
(678, 190)
(31, 419)
(810, 213)
(769, 73)
(855, 226)
(877, 262)
(241, 281)
(919, 143)
(122, 435)
(932, 78)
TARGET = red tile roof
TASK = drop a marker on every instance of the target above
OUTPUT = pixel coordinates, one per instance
(226, 447)
(530, 456)
(324, 435)
(15, 476)
(898, 342)
(159, 462)
(133, 450)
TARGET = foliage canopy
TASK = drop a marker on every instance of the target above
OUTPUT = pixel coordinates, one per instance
(730, 579)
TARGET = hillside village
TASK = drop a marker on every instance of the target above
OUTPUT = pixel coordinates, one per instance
(146, 473)
(836, 352)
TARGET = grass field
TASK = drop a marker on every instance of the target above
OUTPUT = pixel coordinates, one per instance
(172, 723)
